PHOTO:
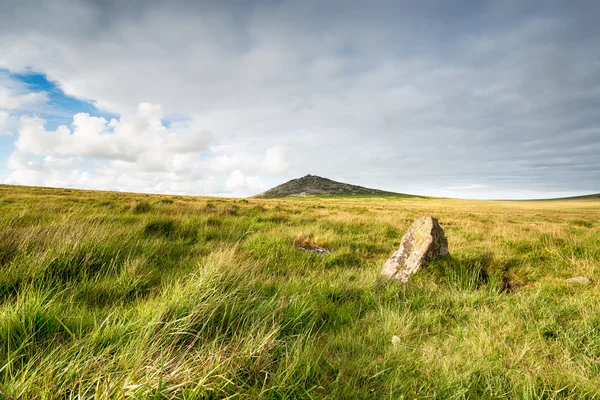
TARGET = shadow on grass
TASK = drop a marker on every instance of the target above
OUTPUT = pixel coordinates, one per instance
(474, 271)
(463, 272)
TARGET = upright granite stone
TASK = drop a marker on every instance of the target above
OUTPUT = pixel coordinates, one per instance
(424, 241)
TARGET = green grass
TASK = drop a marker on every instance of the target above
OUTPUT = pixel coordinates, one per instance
(108, 295)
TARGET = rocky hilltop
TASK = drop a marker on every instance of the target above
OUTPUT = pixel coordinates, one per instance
(311, 185)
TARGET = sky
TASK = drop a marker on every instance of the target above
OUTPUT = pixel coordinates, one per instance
(471, 99)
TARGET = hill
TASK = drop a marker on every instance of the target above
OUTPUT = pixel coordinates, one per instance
(312, 185)
(594, 196)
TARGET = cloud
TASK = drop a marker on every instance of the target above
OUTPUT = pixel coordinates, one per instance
(237, 181)
(4, 123)
(12, 101)
(16, 96)
(136, 152)
(141, 138)
(47, 171)
(406, 96)
(275, 160)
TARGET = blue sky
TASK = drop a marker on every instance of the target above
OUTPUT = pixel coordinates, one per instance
(476, 99)
(60, 108)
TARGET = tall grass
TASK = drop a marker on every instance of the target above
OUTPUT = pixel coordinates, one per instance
(106, 295)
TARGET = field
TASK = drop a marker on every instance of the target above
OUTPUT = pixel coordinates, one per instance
(110, 295)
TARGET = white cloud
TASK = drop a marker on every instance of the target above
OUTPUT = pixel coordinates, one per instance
(135, 153)
(46, 171)
(4, 123)
(239, 182)
(140, 138)
(16, 96)
(13, 101)
(275, 160)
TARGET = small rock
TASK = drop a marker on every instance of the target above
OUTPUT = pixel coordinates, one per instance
(579, 279)
(396, 340)
(318, 250)
(424, 241)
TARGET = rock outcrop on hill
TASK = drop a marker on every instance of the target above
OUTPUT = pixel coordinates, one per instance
(311, 185)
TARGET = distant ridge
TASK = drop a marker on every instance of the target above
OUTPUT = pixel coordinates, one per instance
(311, 185)
(582, 197)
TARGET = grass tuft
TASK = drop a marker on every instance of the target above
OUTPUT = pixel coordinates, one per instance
(583, 223)
(165, 228)
(141, 207)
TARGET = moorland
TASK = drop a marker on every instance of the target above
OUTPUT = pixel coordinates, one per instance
(116, 295)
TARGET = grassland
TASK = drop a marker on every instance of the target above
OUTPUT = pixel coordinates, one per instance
(108, 295)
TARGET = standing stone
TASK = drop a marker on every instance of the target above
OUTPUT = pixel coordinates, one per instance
(424, 241)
